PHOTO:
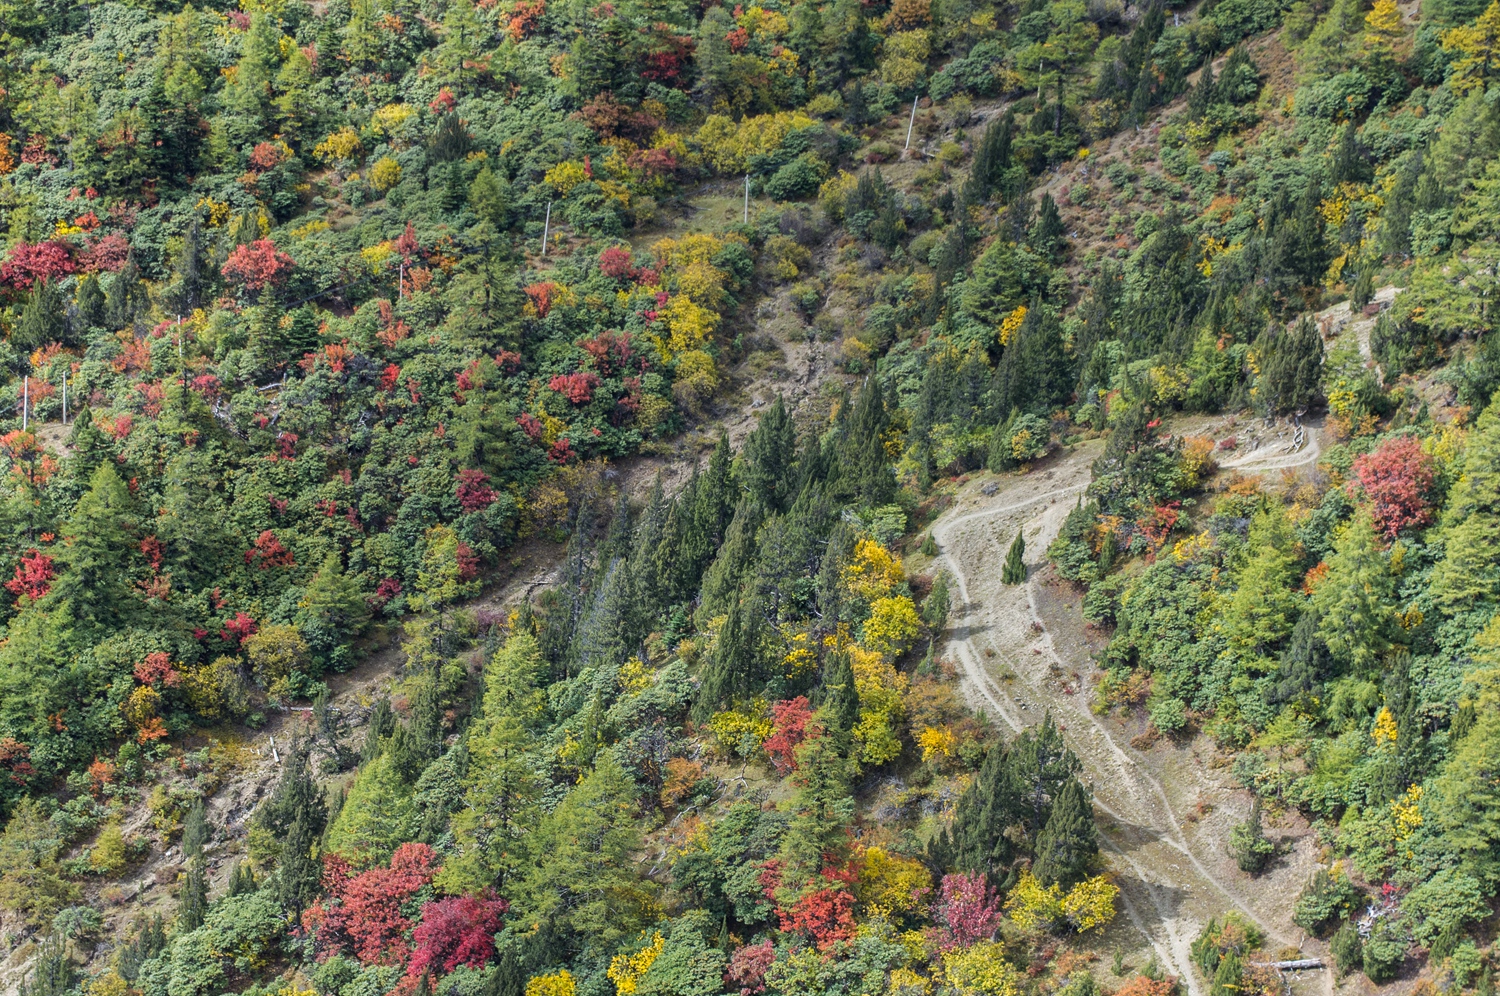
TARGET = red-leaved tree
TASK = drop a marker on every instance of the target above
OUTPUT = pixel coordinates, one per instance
(30, 262)
(157, 668)
(967, 909)
(34, 576)
(1397, 478)
(474, 492)
(458, 930)
(617, 263)
(576, 387)
(791, 717)
(362, 913)
(269, 552)
(747, 968)
(257, 265)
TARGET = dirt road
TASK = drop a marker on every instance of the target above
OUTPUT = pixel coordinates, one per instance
(1173, 873)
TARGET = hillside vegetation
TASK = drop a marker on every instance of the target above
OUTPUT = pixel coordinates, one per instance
(317, 315)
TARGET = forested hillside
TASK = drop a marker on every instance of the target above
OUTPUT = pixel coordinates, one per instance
(320, 319)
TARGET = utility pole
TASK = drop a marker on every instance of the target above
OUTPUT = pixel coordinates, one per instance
(546, 228)
(911, 123)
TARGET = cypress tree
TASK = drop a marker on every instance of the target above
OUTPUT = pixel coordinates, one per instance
(1203, 94)
(89, 300)
(769, 455)
(1230, 976)
(508, 978)
(1248, 844)
(1348, 950)
(241, 880)
(1069, 843)
(42, 319)
(299, 872)
(192, 903)
(1014, 571)
(194, 831)
(1047, 229)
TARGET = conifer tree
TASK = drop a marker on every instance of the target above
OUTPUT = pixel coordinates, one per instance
(1069, 843)
(1014, 571)
(299, 871)
(192, 902)
(241, 880)
(1047, 230)
(42, 319)
(1348, 950)
(194, 831)
(1229, 977)
(1248, 844)
(769, 454)
(731, 670)
(1203, 94)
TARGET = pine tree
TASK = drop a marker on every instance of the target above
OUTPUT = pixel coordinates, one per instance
(991, 806)
(89, 301)
(1354, 600)
(1041, 765)
(97, 560)
(1291, 367)
(1069, 843)
(992, 159)
(937, 604)
(507, 978)
(865, 465)
(737, 555)
(502, 787)
(1014, 571)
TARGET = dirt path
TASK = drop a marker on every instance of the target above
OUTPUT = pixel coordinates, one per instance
(1171, 880)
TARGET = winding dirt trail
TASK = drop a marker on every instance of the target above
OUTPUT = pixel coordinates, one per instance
(1173, 874)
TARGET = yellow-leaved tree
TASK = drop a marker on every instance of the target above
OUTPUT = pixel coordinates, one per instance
(1478, 48)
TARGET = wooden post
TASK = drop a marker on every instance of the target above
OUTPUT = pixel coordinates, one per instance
(546, 228)
(912, 122)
